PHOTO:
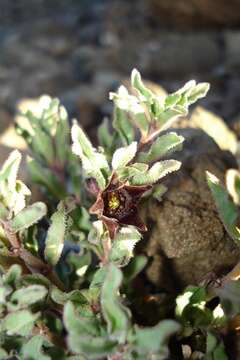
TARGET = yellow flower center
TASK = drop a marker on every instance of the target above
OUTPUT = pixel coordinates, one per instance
(113, 202)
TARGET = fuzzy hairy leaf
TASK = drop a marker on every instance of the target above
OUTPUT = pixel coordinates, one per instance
(136, 265)
(29, 295)
(156, 172)
(60, 297)
(28, 216)
(19, 322)
(93, 162)
(62, 137)
(33, 349)
(92, 347)
(104, 136)
(42, 144)
(43, 176)
(155, 339)
(123, 126)
(9, 170)
(12, 275)
(137, 84)
(123, 245)
(177, 104)
(124, 155)
(114, 313)
(228, 211)
(78, 324)
(162, 146)
(132, 106)
(55, 237)
(191, 307)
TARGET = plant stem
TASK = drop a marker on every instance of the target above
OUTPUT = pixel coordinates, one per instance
(33, 263)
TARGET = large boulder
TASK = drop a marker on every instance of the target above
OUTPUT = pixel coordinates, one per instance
(197, 13)
(188, 242)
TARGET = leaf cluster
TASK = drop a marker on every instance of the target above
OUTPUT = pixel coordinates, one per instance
(65, 282)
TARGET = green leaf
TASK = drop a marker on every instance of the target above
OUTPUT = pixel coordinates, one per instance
(99, 277)
(197, 92)
(60, 297)
(42, 145)
(124, 155)
(228, 211)
(177, 104)
(156, 172)
(92, 347)
(27, 296)
(191, 308)
(62, 137)
(215, 349)
(158, 191)
(3, 354)
(123, 245)
(96, 232)
(162, 146)
(93, 162)
(123, 126)
(46, 178)
(137, 84)
(28, 216)
(114, 313)
(135, 266)
(55, 237)
(19, 322)
(104, 136)
(79, 325)
(33, 349)
(154, 339)
(13, 275)
(135, 112)
(9, 171)
(136, 169)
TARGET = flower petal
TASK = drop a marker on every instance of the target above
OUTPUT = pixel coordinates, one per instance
(98, 206)
(111, 224)
(135, 220)
(136, 192)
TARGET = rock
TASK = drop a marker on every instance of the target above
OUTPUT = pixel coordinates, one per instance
(188, 240)
(178, 54)
(196, 13)
(232, 40)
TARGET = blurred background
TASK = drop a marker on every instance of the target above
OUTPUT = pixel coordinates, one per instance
(79, 50)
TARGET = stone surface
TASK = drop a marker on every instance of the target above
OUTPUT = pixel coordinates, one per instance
(232, 41)
(197, 13)
(93, 44)
(188, 240)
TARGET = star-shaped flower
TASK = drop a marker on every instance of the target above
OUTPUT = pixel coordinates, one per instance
(117, 205)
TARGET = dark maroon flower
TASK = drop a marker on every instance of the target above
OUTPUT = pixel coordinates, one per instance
(117, 205)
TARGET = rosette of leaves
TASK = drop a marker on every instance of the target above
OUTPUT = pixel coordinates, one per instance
(52, 165)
